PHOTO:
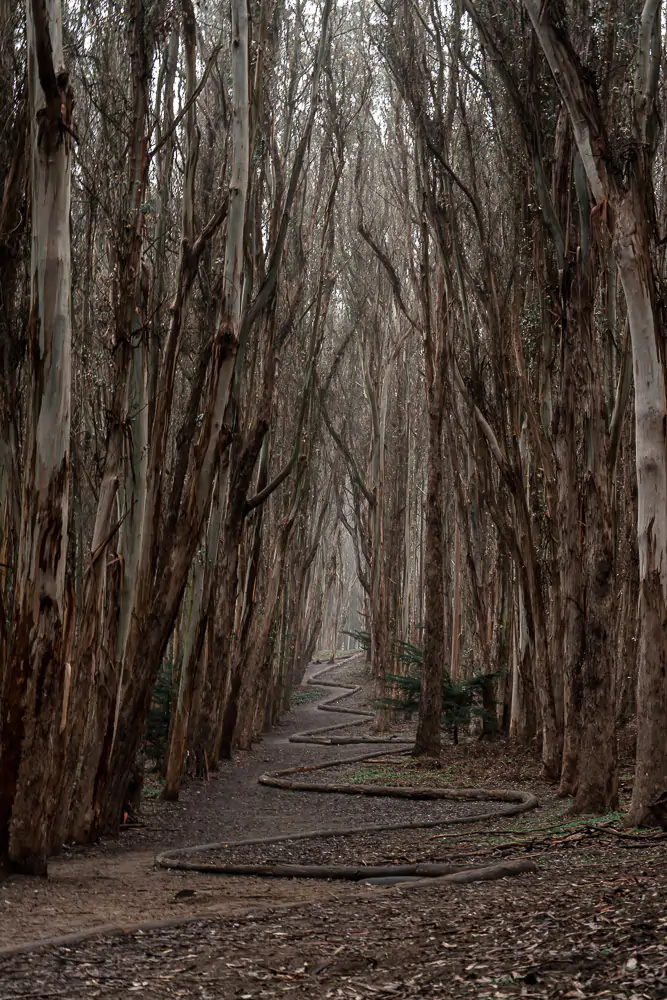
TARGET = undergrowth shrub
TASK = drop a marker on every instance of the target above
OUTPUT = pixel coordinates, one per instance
(462, 700)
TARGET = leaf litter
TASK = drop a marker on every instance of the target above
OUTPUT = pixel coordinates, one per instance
(592, 923)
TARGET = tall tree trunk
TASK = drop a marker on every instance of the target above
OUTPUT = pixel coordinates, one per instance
(430, 702)
(190, 665)
(570, 422)
(194, 647)
(597, 778)
(12, 323)
(651, 451)
(217, 724)
(34, 707)
(456, 601)
(632, 203)
(256, 659)
(586, 556)
(523, 722)
(551, 734)
(106, 614)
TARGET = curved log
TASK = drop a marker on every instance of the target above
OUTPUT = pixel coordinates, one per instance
(513, 802)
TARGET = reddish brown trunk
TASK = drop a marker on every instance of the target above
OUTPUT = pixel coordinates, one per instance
(570, 427)
(597, 783)
(587, 579)
(33, 726)
(153, 634)
(430, 703)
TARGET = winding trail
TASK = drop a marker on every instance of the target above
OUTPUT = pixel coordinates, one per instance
(591, 918)
(512, 803)
(116, 889)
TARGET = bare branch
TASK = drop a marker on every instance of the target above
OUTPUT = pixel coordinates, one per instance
(188, 104)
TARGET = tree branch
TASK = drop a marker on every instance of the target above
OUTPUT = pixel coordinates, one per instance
(647, 68)
(346, 453)
(44, 52)
(484, 425)
(580, 99)
(188, 104)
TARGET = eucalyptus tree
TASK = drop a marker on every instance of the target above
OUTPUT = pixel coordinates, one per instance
(14, 288)
(577, 427)
(436, 124)
(535, 458)
(625, 201)
(286, 138)
(36, 677)
(179, 320)
(364, 446)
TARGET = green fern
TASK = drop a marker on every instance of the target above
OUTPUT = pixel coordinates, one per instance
(461, 700)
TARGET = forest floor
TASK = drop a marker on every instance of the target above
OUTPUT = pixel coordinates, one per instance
(590, 922)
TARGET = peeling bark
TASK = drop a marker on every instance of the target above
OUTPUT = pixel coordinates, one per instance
(630, 201)
(32, 741)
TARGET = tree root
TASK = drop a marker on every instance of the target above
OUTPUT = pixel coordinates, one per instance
(487, 873)
(513, 802)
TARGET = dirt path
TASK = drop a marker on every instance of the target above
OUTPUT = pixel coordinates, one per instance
(115, 882)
